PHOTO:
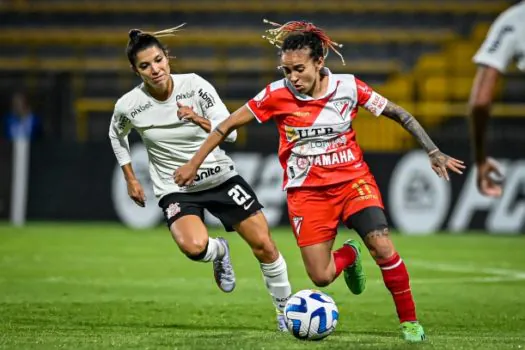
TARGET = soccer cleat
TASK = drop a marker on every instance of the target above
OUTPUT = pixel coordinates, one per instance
(355, 277)
(412, 332)
(223, 269)
(281, 322)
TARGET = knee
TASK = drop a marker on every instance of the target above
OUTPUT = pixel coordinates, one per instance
(320, 280)
(262, 245)
(194, 248)
(379, 244)
(265, 250)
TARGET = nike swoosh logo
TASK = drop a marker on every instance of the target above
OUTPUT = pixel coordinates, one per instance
(247, 206)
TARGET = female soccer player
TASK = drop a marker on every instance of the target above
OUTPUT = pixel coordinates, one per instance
(173, 113)
(325, 175)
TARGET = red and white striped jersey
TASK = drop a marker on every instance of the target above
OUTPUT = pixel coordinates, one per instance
(317, 145)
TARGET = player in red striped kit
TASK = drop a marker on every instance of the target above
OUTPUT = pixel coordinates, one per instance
(325, 175)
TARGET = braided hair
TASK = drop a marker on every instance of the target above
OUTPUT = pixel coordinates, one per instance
(296, 35)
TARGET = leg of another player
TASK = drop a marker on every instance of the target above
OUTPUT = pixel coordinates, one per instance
(191, 236)
(254, 230)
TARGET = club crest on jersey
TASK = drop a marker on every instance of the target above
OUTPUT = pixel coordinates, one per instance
(172, 210)
(343, 107)
(302, 163)
(297, 221)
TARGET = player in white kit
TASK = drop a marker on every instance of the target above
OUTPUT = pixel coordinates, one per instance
(173, 113)
(504, 43)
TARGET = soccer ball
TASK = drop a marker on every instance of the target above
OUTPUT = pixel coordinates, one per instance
(311, 315)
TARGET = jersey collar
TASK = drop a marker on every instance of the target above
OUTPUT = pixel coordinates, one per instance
(332, 86)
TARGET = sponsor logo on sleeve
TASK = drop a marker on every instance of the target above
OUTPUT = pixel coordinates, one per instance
(376, 104)
(207, 98)
(122, 122)
(494, 46)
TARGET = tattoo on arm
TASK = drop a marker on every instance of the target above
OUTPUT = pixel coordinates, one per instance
(401, 116)
(219, 131)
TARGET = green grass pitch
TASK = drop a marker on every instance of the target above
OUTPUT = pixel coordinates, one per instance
(98, 286)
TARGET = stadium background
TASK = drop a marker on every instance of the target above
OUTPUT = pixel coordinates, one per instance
(68, 56)
(76, 269)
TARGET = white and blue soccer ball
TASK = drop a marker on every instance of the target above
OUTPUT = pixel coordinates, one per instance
(311, 315)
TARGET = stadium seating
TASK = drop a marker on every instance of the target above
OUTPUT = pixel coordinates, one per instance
(411, 51)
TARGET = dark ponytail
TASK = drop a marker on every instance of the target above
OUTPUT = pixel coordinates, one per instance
(139, 40)
(134, 33)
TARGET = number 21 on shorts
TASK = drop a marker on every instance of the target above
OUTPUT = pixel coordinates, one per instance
(239, 195)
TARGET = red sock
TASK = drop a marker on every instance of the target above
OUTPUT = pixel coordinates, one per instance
(396, 279)
(343, 257)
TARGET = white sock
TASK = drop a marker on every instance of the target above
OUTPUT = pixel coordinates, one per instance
(215, 250)
(276, 277)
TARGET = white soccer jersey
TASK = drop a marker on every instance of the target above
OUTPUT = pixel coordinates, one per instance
(505, 40)
(171, 142)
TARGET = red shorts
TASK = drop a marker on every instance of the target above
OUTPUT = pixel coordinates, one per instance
(315, 212)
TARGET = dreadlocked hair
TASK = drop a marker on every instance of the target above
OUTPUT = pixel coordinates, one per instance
(139, 40)
(299, 34)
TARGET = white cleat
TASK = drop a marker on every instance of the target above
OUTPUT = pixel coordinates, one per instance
(223, 269)
(281, 322)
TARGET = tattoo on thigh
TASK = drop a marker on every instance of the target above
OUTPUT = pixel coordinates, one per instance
(377, 234)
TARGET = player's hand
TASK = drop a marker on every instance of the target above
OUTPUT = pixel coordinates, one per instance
(185, 175)
(490, 178)
(186, 113)
(441, 163)
(136, 193)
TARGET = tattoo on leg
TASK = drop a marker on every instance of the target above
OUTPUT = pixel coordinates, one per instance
(378, 243)
(377, 234)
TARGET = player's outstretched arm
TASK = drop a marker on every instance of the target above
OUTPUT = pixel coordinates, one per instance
(439, 161)
(185, 174)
